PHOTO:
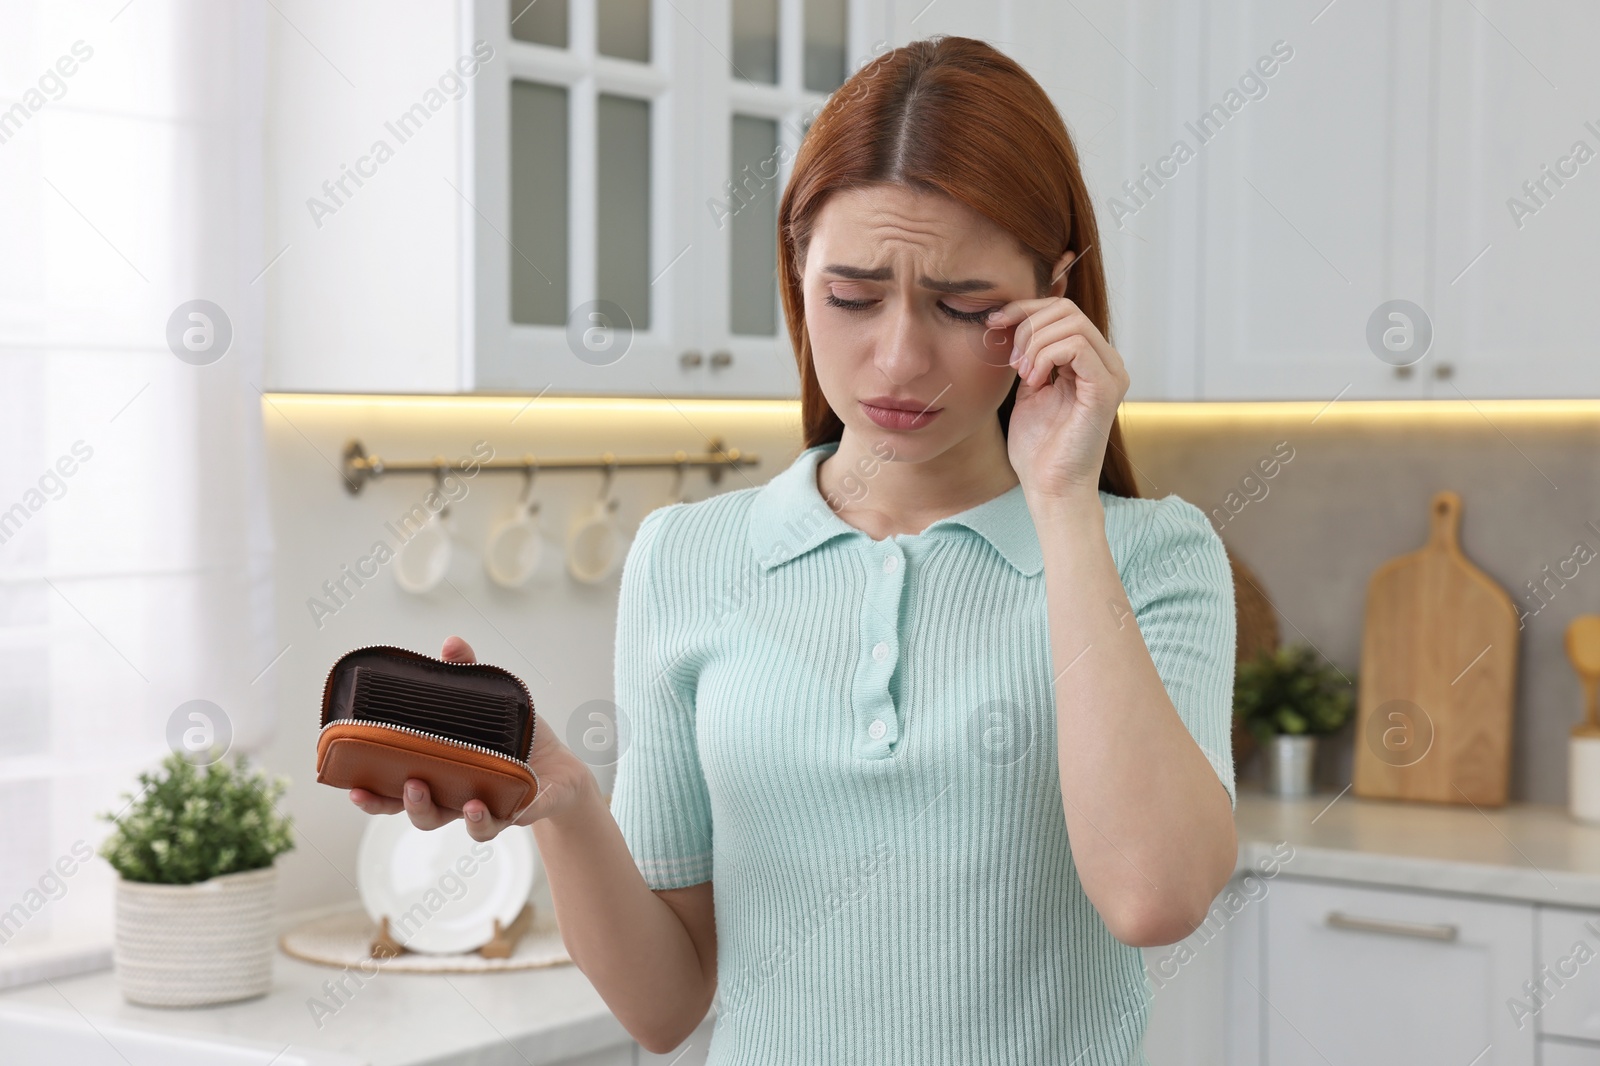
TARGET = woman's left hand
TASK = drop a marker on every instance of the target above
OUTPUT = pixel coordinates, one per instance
(1073, 380)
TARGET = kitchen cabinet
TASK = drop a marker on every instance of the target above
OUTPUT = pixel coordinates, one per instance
(1359, 974)
(627, 164)
(591, 210)
(1566, 997)
(1316, 198)
(1515, 211)
(596, 214)
(1449, 174)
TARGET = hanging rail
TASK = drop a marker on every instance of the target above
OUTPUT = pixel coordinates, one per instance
(359, 467)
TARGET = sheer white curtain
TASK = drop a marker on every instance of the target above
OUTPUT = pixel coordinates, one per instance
(135, 552)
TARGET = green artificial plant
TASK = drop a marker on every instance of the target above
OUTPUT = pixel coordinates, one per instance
(1291, 690)
(198, 822)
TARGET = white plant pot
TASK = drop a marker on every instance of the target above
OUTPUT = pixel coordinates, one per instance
(1290, 759)
(188, 945)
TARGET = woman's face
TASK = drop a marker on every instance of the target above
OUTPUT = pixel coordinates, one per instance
(896, 285)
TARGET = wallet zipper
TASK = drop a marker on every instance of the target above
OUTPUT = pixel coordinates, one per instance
(523, 762)
(430, 736)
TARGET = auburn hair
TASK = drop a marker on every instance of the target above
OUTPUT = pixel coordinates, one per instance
(956, 116)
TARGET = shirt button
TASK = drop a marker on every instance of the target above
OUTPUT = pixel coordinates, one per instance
(890, 564)
(877, 729)
(881, 652)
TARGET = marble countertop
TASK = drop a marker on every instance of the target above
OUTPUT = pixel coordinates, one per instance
(1523, 851)
(516, 1018)
(1527, 852)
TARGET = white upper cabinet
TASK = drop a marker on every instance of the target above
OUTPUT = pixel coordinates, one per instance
(1352, 200)
(1518, 206)
(1311, 141)
(1384, 164)
(628, 157)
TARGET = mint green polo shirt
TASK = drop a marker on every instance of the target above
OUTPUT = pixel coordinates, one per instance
(855, 741)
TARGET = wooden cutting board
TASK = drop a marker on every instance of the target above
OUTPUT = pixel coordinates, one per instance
(1438, 675)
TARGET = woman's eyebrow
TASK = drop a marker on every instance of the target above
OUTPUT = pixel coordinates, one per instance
(855, 273)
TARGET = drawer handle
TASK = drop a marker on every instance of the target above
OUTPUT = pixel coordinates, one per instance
(1441, 931)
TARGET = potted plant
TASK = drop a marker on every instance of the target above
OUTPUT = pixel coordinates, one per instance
(195, 893)
(1287, 697)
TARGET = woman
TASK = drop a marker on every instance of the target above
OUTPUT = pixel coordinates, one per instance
(929, 733)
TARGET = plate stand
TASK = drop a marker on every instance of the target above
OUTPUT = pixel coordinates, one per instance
(500, 946)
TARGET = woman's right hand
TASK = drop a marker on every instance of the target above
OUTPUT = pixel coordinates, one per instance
(563, 781)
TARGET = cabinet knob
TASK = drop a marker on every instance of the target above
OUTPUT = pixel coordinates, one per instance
(721, 358)
(691, 358)
(1443, 370)
(1402, 372)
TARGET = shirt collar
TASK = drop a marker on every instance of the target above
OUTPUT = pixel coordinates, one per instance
(790, 517)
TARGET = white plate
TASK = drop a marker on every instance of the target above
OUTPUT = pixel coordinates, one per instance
(440, 889)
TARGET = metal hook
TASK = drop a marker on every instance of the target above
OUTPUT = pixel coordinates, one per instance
(605, 484)
(530, 471)
(438, 483)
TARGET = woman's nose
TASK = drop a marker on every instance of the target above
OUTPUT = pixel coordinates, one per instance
(905, 349)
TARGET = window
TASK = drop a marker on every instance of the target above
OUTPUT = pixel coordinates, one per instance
(135, 563)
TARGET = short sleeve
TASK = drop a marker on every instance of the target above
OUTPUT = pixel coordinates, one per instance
(659, 799)
(1181, 591)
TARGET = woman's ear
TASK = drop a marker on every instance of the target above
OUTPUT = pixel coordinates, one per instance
(1058, 283)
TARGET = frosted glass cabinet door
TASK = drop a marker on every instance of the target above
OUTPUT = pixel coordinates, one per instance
(627, 161)
(783, 58)
(583, 144)
(1366, 975)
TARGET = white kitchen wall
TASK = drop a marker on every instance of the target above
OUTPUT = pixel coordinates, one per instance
(1353, 495)
(555, 633)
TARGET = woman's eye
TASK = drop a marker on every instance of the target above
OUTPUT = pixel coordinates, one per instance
(964, 316)
(958, 315)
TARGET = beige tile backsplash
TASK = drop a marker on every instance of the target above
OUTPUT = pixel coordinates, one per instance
(1350, 491)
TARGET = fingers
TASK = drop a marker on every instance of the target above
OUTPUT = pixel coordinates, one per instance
(420, 807)
(1034, 317)
(425, 814)
(1030, 352)
(1017, 310)
(457, 650)
(481, 825)
(373, 803)
(1074, 352)
(1064, 336)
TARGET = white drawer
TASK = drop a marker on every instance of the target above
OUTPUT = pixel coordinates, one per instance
(1568, 969)
(1356, 975)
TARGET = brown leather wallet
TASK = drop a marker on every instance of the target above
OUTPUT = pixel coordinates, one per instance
(390, 713)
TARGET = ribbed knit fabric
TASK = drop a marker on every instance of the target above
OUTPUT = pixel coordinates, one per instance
(855, 740)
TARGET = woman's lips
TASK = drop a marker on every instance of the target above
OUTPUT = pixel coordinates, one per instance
(891, 418)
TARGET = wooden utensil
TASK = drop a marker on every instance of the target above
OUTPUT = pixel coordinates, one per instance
(1583, 649)
(1438, 675)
